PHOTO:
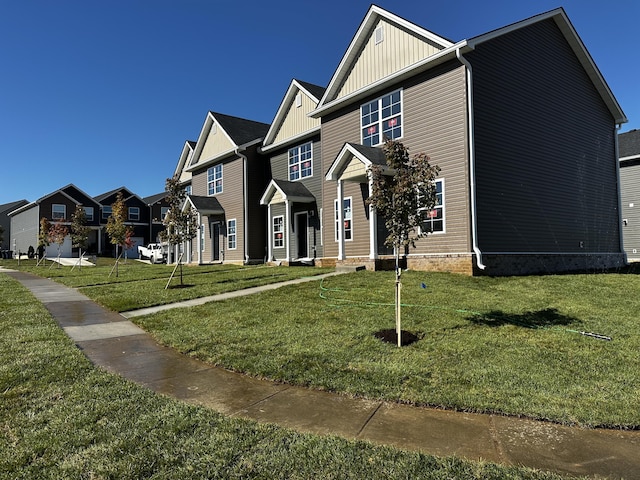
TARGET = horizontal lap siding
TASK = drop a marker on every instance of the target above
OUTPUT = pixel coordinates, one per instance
(231, 200)
(546, 172)
(630, 187)
(435, 119)
(434, 123)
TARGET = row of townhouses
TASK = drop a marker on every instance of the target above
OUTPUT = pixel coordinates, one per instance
(520, 121)
(22, 219)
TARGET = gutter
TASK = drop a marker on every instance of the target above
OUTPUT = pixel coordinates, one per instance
(245, 202)
(472, 158)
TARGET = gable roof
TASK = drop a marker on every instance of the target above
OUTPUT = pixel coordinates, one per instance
(126, 194)
(185, 158)
(240, 133)
(450, 51)
(292, 191)
(313, 92)
(11, 206)
(367, 155)
(629, 145)
(204, 205)
(70, 191)
(152, 199)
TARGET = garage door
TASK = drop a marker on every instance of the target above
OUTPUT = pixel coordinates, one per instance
(133, 251)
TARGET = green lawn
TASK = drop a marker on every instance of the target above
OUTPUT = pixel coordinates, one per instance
(140, 285)
(506, 345)
(62, 418)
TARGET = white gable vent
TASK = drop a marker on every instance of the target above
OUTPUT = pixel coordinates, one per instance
(298, 99)
(379, 34)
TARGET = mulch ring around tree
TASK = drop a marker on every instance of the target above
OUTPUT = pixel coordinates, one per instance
(390, 336)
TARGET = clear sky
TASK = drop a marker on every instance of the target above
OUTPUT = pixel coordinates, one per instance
(105, 93)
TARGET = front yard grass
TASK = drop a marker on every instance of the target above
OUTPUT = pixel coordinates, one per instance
(140, 285)
(504, 345)
(62, 418)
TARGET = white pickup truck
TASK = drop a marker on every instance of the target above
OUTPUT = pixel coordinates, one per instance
(154, 252)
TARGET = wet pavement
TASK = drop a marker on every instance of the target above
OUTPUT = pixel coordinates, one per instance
(112, 342)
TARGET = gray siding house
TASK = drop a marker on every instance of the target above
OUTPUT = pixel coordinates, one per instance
(293, 197)
(629, 151)
(520, 121)
(5, 223)
(228, 178)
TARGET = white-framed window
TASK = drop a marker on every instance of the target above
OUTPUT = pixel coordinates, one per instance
(346, 218)
(106, 212)
(134, 214)
(278, 232)
(231, 234)
(214, 180)
(58, 211)
(202, 237)
(163, 212)
(301, 162)
(187, 189)
(88, 213)
(381, 119)
(433, 220)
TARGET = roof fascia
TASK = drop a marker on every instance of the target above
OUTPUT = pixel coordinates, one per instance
(294, 87)
(575, 42)
(211, 160)
(291, 140)
(630, 157)
(407, 72)
(23, 208)
(269, 192)
(187, 150)
(372, 16)
(345, 152)
(202, 138)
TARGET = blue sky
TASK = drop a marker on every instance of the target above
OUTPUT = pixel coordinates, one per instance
(104, 93)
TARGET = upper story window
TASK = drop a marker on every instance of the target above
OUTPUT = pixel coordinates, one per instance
(381, 119)
(88, 213)
(106, 212)
(134, 213)
(214, 180)
(58, 211)
(163, 212)
(301, 162)
(433, 220)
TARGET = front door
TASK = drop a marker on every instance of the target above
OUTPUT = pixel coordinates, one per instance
(301, 235)
(215, 241)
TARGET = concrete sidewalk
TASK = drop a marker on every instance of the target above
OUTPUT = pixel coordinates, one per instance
(117, 345)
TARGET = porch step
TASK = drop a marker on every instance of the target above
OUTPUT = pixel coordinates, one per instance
(349, 268)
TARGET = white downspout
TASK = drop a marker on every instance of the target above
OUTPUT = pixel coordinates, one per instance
(341, 255)
(245, 202)
(621, 226)
(472, 158)
(269, 234)
(287, 228)
(373, 225)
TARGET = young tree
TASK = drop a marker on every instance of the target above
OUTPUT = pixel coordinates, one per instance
(43, 237)
(117, 230)
(181, 225)
(402, 195)
(79, 231)
(58, 231)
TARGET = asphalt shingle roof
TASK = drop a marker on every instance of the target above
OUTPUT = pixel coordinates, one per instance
(241, 130)
(629, 143)
(315, 90)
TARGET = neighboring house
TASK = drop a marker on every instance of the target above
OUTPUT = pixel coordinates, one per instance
(138, 216)
(521, 123)
(629, 152)
(57, 206)
(158, 208)
(181, 171)
(228, 178)
(294, 195)
(5, 222)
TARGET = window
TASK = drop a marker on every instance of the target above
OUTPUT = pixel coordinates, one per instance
(381, 119)
(346, 217)
(231, 234)
(300, 162)
(58, 211)
(106, 212)
(214, 180)
(163, 212)
(187, 189)
(134, 213)
(278, 232)
(88, 213)
(433, 220)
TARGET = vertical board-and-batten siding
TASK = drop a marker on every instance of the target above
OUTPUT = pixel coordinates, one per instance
(434, 122)
(217, 142)
(630, 185)
(296, 120)
(545, 148)
(399, 49)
